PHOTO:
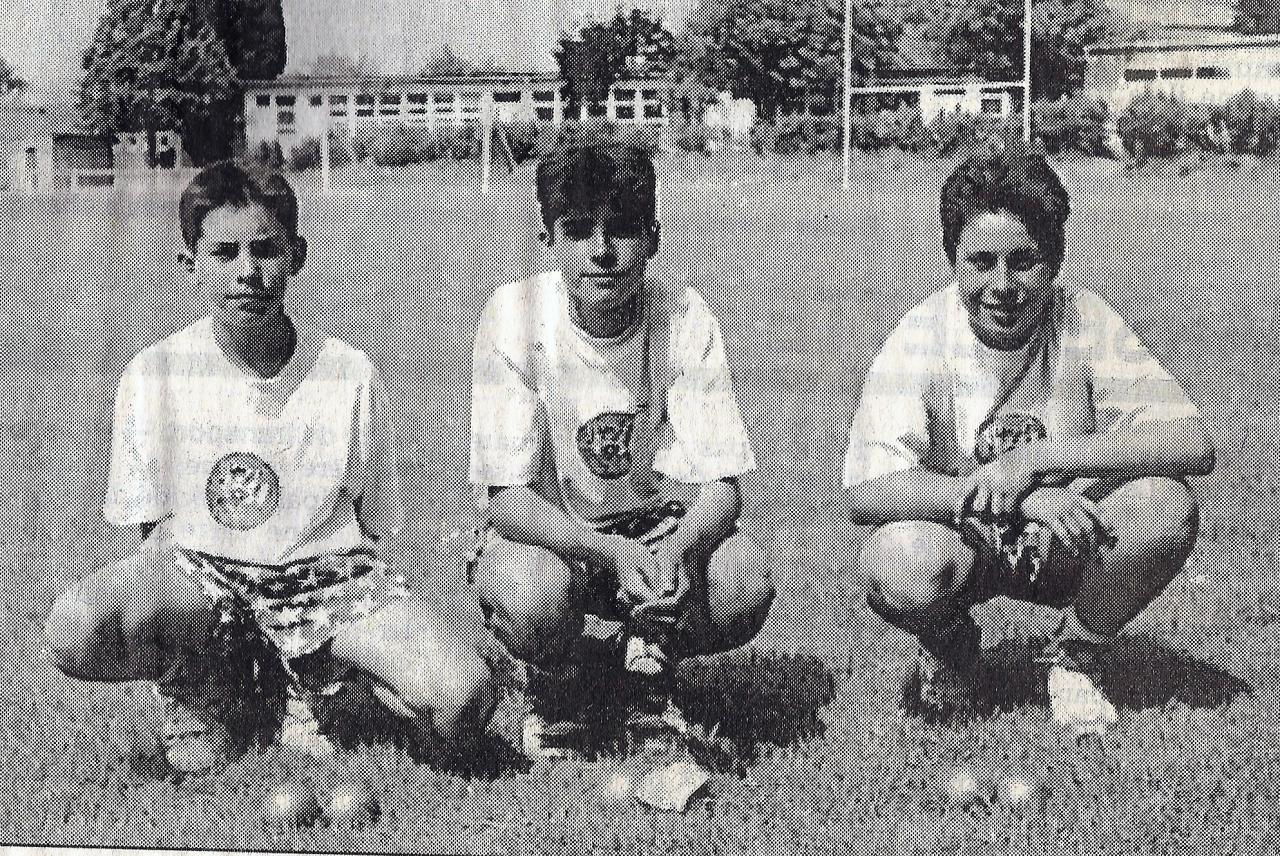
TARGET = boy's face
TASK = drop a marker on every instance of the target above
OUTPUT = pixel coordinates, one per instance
(242, 264)
(603, 255)
(1005, 281)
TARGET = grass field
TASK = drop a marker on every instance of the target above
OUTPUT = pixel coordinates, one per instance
(807, 282)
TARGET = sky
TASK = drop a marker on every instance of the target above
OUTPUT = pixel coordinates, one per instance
(43, 39)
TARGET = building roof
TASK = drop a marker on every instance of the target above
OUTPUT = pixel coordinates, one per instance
(294, 81)
(1170, 40)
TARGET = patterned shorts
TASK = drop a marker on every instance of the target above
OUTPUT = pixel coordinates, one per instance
(297, 607)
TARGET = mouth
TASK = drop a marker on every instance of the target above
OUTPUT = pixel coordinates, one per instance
(255, 302)
(1006, 315)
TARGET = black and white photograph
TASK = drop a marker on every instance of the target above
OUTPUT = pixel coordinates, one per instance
(640, 426)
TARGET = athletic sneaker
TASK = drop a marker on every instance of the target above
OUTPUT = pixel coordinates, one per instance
(195, 741)
(544, 738)
(644, 657)
(1075, 697)
(300, 730)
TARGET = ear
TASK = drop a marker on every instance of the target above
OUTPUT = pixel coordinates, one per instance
(299, 247)
(655, 233)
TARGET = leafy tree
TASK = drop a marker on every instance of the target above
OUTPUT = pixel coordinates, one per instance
(986, 35)
(252, 32)
(779, 51)
(156, 64)
(445, 63)
(601, 54)
(1257, 16)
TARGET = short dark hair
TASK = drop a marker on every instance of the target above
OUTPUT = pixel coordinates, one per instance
(236, 184)
(1006, 175)
(581, 177)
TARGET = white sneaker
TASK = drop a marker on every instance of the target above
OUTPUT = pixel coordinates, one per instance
(1075, 698)
(300, 729)
(541, 738)
(1078, 703)
(643, 657)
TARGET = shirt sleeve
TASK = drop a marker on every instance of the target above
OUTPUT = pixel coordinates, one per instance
(508, 420)
(138, 488)
(890, 430)
(708, 437)
(1129, 385)
(381, 508)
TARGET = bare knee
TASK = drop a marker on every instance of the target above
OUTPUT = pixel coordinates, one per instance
(740, 591)
(87, 623)
(1162, 515)
(911, 566)
(463, 701)
(528, 591)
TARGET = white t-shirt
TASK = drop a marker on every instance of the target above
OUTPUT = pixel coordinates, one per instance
(933, 384)
(259, 470)
(573, 415)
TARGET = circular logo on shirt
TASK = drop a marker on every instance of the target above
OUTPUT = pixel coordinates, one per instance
(605, 444)
(1007, 431)
(243, 491)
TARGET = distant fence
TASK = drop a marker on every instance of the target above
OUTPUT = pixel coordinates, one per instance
(91, 181)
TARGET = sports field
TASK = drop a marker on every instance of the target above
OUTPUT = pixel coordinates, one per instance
(807, 282)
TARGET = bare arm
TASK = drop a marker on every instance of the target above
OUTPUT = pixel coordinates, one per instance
(709, 519)
(521, 514)
(1176, 448)
(914, 494)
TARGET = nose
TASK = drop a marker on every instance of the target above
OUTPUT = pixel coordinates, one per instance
(602, 248)
(250, 268)
(1004, 281)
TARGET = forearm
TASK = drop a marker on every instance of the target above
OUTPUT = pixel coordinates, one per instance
(522, 515)
(709, 519)
(1177, 448)
(915, 494)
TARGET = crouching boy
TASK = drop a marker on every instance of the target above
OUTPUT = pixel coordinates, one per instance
(258, 459)
(1016, 438)
(607, 437)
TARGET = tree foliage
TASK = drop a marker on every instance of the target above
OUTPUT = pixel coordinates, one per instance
(445, 63)
(252, 32)
(9, 79)
(156, 64)
(1060, 30)
(602, 53)
(779, 51)
(1257, 16)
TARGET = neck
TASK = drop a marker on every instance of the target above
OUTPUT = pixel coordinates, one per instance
(263, 349)
(606, 323)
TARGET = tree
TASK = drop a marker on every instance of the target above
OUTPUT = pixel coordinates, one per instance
(1257, 16)
(252, 32)
(1060, 30)
(605, 52)
(445, 63)
(778, 51)
(156, 64)
(986, 35)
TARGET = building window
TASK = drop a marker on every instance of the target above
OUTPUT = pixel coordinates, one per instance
(595, 109)
(470, 102)
(1134, 75)
(285, 117)
(285, 100)
(364, 106)
(624, 94)
(506, 97)
(390, 104)
(544, 96)
(1175, 73)
(653, 111)
(418, 103)
(625, 111)
(993, 104)
(338, 105)
(263, 100)
(389, 98)
(338, 99)
(317, 100)
(1212, 72)
(650, 94)
(545, 114)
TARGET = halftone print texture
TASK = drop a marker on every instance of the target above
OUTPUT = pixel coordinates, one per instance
(814, 732)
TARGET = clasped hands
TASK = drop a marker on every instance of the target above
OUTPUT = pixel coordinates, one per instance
(1011, 487)
(652, 579)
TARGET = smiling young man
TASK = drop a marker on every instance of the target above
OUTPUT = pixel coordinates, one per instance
(607, 440)
(259, 462)
(1016, 438)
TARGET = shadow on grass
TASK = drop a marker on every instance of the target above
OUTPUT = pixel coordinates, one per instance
(1137, 673)
(756, 698)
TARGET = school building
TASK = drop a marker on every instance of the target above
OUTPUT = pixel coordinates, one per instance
(294, 107)
(1195, 65)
